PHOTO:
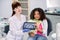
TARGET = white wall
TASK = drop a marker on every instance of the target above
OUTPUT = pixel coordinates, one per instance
(53, 3)
(37, 3)
(5, 8)
(44, 4)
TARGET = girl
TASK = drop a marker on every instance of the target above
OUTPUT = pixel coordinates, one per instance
(16, 22)
(38, 16)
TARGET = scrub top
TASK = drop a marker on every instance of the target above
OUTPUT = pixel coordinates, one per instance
(15, 28)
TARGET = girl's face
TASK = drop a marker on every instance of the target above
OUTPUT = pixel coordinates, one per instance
(37, 15)
(18, 9)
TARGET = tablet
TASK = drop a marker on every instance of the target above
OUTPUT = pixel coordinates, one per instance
(29, 25)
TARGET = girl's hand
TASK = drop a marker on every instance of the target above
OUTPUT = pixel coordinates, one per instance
(37, 25)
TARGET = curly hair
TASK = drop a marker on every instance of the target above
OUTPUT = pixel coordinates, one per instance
(41, 13)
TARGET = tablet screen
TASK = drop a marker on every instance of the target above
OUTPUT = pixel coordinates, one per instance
(29, 25)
